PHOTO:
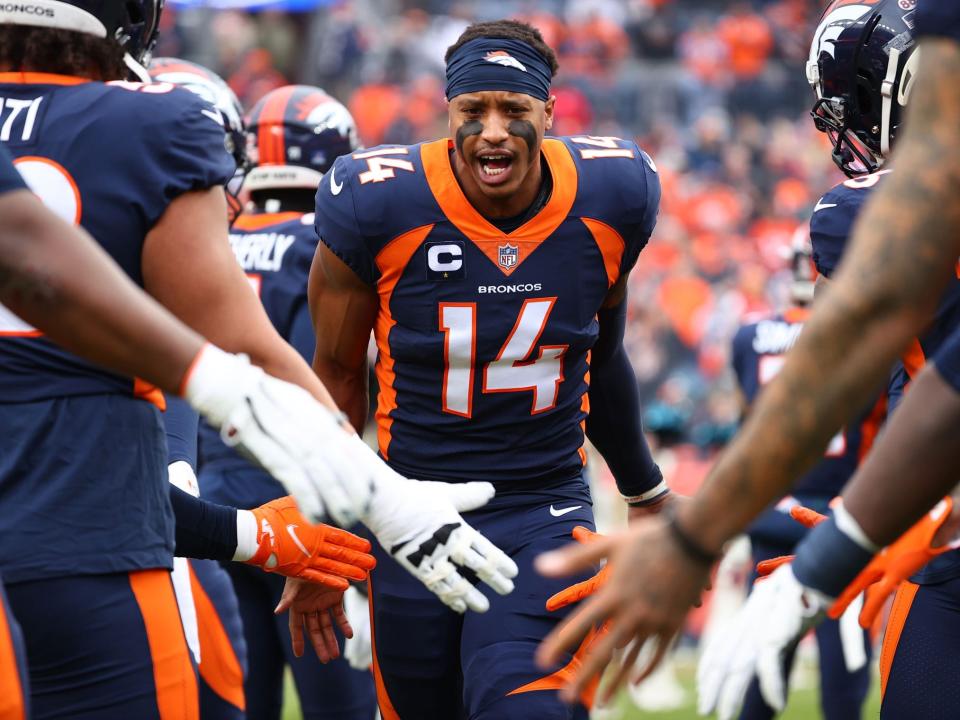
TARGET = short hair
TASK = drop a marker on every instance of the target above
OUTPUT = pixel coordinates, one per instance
(508, 30)
(62, 52)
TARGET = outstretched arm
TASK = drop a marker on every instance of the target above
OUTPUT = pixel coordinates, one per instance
(904, 250)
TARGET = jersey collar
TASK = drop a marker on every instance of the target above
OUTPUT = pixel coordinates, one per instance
(40, 78)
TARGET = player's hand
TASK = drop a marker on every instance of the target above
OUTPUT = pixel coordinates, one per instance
(650, 587)
(358, 650)
(896, 563)
(289, 545)
(635, 512)
(419, 524)
(774, 618)
(806, 517)
(284, 429)
(316, 608)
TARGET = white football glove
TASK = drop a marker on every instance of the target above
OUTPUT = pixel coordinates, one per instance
(419, 524)
(358, 650)
(285, 430)
(771, 622)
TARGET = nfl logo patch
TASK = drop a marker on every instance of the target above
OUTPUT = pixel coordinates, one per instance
(508, 256)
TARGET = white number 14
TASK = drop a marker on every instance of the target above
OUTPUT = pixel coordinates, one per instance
(514, 369)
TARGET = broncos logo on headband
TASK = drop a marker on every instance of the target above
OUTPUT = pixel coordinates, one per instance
(502, 57)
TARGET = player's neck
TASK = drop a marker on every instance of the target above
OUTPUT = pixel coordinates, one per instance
(494, 208)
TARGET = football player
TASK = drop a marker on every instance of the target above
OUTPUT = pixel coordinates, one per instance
(141, 168)
(902, 255)
(491, 267)
(758, 353)
(296, 132)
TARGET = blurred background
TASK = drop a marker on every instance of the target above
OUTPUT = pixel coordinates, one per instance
(713, 90)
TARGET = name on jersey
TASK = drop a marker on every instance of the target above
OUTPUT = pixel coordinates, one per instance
(774, 337)
(261, 252)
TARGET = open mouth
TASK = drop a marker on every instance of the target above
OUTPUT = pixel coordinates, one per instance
(495, 166)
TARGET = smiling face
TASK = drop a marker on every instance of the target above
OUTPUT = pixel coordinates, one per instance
(498, 136)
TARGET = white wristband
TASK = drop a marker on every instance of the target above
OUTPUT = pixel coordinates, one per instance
(660, 489)
(851, 528)
(246, 536)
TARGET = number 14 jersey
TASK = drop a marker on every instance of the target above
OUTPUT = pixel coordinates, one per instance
(484, 337)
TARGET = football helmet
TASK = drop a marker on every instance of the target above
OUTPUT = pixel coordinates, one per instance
(212, 88)
(862, 65)
(295, 133)
(133, 23)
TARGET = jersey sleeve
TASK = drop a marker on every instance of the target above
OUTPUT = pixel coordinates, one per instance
(337, 224)
(738, 355)
(181, 424)
(938, 18)
(646, 219)
(185, 149)
(830, 225)
(9, 177)
(947, 360)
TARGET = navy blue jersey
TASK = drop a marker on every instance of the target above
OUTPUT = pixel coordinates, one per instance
(830, 228)
(83, 463)
(759, 351)
(275, 250)
(10, 179)
(483, 336)
(938, 18)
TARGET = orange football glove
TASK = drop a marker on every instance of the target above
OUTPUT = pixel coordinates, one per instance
(806, 517)
(894, 564)
(291, 546)
(586, 588)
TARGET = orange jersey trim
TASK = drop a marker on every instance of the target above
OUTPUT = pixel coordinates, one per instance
(66, 174)
(796, 314)
(914, 359)
(871, 427)
(564, 676)
(173, 676)
(391, 262)
(611, 245)
(12, 705)
(480, 231)
(143, 390)
(21, 333)
(40, 78)
(899, 611)
(270, 144)
(383, 700)
(219, 665)
(257, 222)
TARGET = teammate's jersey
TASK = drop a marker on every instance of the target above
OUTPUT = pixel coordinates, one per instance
(10, 179)
(938, 18)
(830, 228)
(483, 336)
(83, 463)
(275, 250)
(759, 351)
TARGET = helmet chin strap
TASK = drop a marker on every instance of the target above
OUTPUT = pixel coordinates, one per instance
(886, 90)
(136, 69)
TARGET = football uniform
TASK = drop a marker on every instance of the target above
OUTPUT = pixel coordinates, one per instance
(84, 458)
(927, 609)
(759, 351)
(936, 18)
(483, 337)
(10, 179)
(276, 251)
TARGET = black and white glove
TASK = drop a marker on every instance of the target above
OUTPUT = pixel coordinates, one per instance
(283, 428)
(419, 524)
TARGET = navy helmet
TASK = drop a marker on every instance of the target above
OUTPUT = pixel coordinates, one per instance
(294, 134)
(862, 66)
(212, 88)
(133, 23)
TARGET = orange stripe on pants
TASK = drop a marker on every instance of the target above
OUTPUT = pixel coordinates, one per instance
(564, 676)
(383, 700)
(176, 684)
(219, 666)
(898, 618)
(12, 706)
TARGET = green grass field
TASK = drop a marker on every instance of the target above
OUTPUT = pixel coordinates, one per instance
(803, 705)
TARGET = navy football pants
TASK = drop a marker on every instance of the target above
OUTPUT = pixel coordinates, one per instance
(106, 647)
(327, 692)
(841, 693)
(920, 661)
(433, 663)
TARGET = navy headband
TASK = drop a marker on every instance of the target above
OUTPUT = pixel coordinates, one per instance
(498, 64)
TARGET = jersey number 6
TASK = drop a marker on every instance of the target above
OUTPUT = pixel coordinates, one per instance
(515, 368)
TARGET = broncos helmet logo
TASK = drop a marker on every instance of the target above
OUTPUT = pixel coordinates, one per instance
(502, 57)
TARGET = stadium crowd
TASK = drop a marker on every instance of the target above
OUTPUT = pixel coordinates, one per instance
(714, 91)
